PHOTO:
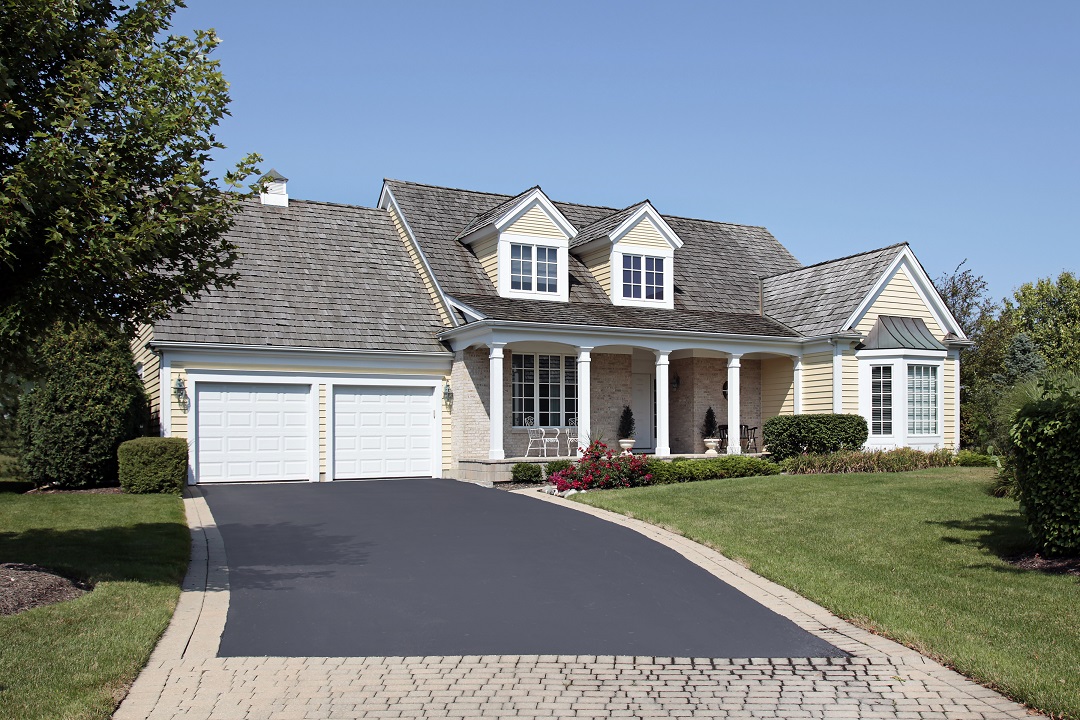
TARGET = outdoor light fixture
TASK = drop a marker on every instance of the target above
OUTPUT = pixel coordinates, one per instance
(180, 392)
(675, 383)
(447, 395)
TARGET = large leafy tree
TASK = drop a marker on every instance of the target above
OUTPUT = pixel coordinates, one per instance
(1048, 312)
(108, 213)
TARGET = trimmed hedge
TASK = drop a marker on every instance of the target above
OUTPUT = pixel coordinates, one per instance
(153, 465)
(728, 466)
(1047, 466)
(557, 466)
(526, 473)
(788, 435)
(868, 461)
(970, 458)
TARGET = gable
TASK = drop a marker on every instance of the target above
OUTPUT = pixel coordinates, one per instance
(535, 222)
(899, 297)
(644, 233)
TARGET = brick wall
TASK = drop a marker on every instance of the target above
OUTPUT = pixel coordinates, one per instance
(701, 386)
(469, 415)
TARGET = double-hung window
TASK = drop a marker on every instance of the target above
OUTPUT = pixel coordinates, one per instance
(543, 390)
(643, 277)
(881, 400)
(922, 391)
(534, 266)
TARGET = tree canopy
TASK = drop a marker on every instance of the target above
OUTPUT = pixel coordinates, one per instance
(108, 212)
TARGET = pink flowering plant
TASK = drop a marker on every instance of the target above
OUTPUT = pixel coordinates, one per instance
(601, 468)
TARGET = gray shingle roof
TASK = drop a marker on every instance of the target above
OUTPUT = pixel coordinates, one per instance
(602, 227)
(315, 275)
(717, 269)
(818, 299)
(608, 315)
(893, 333)
(494, 213)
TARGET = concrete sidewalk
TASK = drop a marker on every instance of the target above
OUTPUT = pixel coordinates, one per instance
(185, 679)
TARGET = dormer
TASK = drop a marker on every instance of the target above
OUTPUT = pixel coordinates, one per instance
(522, 245)
(631, 254)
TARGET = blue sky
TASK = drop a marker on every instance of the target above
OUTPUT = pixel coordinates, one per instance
(840, 126)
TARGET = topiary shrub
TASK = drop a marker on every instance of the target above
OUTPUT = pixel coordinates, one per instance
(627, 425)
(153, 465)
(526, 473)
(1046, 457)
(785, 436)
(709, 428)
(557, 466)
(86, 401)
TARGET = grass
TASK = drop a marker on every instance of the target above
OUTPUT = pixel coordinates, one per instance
(76, 659)
(914, 556)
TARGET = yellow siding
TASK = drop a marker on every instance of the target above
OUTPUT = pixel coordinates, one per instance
(179, 417)
(447, 433)
(900, 298)
(535, 222)
(777, 388)
(599, 263)
(644, 234)
(322, 432)
(817, 377)
(443, 313)
(487, 252)
(851, 383)
(151, 367)
(950, 400)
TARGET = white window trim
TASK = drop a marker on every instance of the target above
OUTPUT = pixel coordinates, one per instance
(900, 360)
(667, 255)
(536, 387)
(562, 273)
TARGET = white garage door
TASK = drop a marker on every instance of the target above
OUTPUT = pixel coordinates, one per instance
(383, 432)
(253, 432)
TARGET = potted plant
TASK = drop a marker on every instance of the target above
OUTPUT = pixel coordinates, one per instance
(626, 429)
(709, 432)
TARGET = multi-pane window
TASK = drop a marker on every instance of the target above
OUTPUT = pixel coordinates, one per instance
(881, 400)
(543, 389)
(643, 277)
(922, 400)
(543, 273)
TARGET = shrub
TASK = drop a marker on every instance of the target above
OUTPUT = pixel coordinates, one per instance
(728, 466)
(709, 428)
(868, 461)
(627, 426)
(970, 458)
(153, 465)
(87, 400)
(1047, 466)
(601, 467)
(788, 435)
(526, 473)
(557, 466)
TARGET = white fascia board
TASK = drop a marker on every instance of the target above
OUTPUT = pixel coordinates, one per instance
(536, 197)
(386, 200)
(899, 353)
(906, 261)
(478, 234)
(264, 356)
(467, 310)
(647, 210)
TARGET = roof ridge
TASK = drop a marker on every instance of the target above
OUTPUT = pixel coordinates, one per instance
(447, 187)
(714, 222)
(354, 206)
(835, 260)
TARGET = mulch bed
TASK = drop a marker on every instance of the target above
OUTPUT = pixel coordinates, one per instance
(24, 586)
(518, 485)
(89, 491)
(1060, 566)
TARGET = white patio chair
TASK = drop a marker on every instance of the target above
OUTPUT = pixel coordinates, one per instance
(537, 440)
(572, 438)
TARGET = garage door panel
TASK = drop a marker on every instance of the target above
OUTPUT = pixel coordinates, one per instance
(249, 431)
(383, 432)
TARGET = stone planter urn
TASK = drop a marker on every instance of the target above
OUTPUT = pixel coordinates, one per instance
(710, 446)
(627, 445)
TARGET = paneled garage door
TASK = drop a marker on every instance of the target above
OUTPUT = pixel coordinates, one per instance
(383, 432)
(253, 432)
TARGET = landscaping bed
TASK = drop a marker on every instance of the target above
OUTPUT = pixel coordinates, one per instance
(926, 558)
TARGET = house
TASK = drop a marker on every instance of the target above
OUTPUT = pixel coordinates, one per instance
(424, 336)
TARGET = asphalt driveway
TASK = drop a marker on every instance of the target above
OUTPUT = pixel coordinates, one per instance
(438, 567)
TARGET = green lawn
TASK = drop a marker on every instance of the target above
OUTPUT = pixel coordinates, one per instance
(77, 658)
(914, 556)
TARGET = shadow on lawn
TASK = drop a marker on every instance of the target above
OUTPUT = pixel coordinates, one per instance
(154, 553)
(1003, 534)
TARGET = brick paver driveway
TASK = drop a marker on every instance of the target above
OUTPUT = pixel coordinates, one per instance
(188, 678)
(438, 567)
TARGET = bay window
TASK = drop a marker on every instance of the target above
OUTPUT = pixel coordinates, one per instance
(922, 400)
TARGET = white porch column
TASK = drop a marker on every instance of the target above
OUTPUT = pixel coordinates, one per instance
(797, 387)
(663, 412)
(734, 420)
(584, 385)
(837, 377)
(956, 398)
(495, 401)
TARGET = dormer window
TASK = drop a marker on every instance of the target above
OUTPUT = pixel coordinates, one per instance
(643, 277)
(527, 273)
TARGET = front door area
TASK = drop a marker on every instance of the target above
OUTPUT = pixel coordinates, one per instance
(643, 403)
